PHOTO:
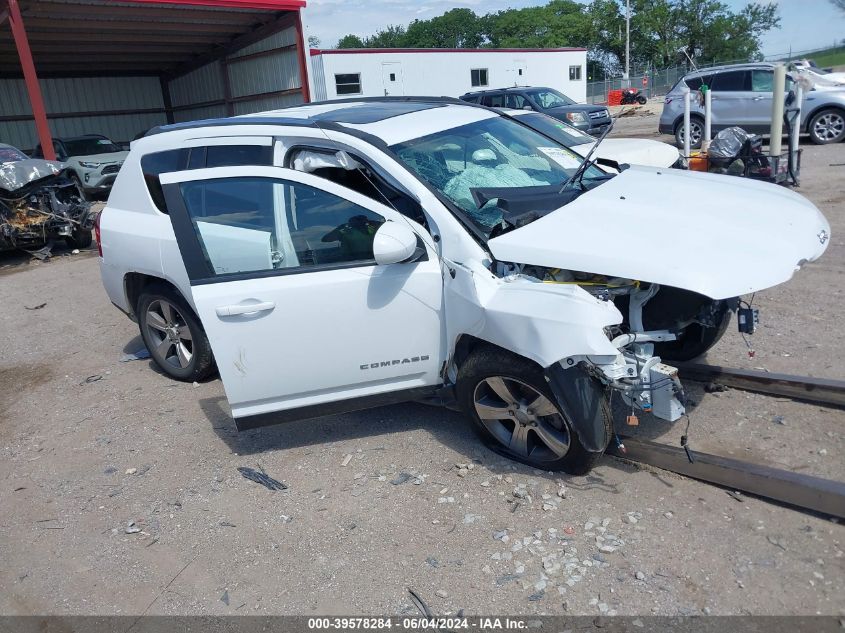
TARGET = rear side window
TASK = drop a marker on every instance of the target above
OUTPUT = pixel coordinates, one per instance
(695, 83)
(153, 165)
(470, 99)
(733, 81)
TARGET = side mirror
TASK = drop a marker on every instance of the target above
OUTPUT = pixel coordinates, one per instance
(527, 107)
(394, 242)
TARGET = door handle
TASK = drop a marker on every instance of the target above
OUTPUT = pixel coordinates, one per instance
(249, 308)
(758, 98)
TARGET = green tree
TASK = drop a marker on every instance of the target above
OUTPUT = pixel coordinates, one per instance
(391, 37)
(559, 23)
(350, 41)
(839, 4)
(457, 28)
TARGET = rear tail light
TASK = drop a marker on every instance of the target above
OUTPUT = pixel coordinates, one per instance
(97, 233)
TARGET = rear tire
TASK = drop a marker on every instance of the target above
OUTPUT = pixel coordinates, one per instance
(642, 100)
(697, 127)
(827, 126)
(173, 334)
(521, 418)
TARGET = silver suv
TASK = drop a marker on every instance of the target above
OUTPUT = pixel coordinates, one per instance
(742, 95)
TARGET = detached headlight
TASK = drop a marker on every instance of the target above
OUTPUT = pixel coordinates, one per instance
(576, 117)
(89, 165)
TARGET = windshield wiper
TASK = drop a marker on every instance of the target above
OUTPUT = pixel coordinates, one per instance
(579, 173)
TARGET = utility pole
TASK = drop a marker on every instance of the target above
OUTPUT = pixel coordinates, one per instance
(628, 39)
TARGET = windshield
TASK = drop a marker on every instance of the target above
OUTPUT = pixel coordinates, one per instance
(562, 132)
(493, 153)
(9, 154)
(91, 146)
(548, 98)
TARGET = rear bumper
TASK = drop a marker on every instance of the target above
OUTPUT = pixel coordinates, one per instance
(666, 128)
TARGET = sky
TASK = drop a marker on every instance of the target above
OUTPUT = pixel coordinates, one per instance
(806, 24)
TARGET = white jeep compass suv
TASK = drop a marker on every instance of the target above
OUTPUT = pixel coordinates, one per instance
(344, 255)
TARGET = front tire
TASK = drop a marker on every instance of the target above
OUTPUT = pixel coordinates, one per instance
(696, 339)
(515, 414)
(173, 334)
(80, 239)
(827, 126)
(696, 132)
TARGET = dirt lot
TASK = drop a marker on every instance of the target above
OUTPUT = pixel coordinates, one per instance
(83, 458)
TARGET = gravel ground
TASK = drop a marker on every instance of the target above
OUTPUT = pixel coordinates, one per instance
(81, 459)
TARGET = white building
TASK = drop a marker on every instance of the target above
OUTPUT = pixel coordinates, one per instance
(375, 72)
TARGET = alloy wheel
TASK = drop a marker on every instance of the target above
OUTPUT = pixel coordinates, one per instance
(829, 126)
(522, 419)
(170, 335)
(696, 132)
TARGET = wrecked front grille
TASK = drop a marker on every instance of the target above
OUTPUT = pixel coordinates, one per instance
(48, 209)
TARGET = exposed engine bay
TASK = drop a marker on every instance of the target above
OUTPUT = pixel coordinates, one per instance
(39, 203)
(659, 323)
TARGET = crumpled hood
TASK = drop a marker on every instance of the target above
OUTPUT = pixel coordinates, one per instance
(721, 236)
(633, 151)
(20, 173)
(107, 158)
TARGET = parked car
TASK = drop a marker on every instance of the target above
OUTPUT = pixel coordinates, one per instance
(633, 151)
(92, 160)
(742, 96)
(350, 254)
(591, 119)
(39, 203)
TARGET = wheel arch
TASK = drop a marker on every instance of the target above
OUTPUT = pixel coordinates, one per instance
(805, 122)
(134, 283)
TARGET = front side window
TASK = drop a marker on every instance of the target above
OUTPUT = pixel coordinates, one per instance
(548, 98)
(517, 102)
(478, 77)
(348, 84)
(251, 224)
(574, 73)
(494, 153)
(762, 81)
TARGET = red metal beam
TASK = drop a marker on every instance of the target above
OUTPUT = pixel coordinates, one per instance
(303, 63)
(31, 79)
(272, 5)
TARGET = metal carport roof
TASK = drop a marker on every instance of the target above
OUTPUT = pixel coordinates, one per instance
(76, 38)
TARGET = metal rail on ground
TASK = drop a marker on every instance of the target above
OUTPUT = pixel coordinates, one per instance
(804, 491)
(808, 388)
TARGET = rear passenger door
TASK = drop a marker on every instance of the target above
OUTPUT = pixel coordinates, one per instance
(301, 320)
(731, 98)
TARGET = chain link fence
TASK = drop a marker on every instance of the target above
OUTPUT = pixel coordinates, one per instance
(653, 83)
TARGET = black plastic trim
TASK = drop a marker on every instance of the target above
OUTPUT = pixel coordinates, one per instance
(581, 398)
(246, 423)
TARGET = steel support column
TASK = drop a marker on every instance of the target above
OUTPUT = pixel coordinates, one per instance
(31, 78)
(303, 63)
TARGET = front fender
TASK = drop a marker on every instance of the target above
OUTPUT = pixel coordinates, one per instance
(547, 322)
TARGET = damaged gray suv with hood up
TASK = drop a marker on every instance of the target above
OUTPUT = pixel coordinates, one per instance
(39, 203)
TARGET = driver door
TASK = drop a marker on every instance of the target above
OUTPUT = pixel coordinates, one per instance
(301, 320)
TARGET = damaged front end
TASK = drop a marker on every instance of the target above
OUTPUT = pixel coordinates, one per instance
(38, 204)
(635, 370)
